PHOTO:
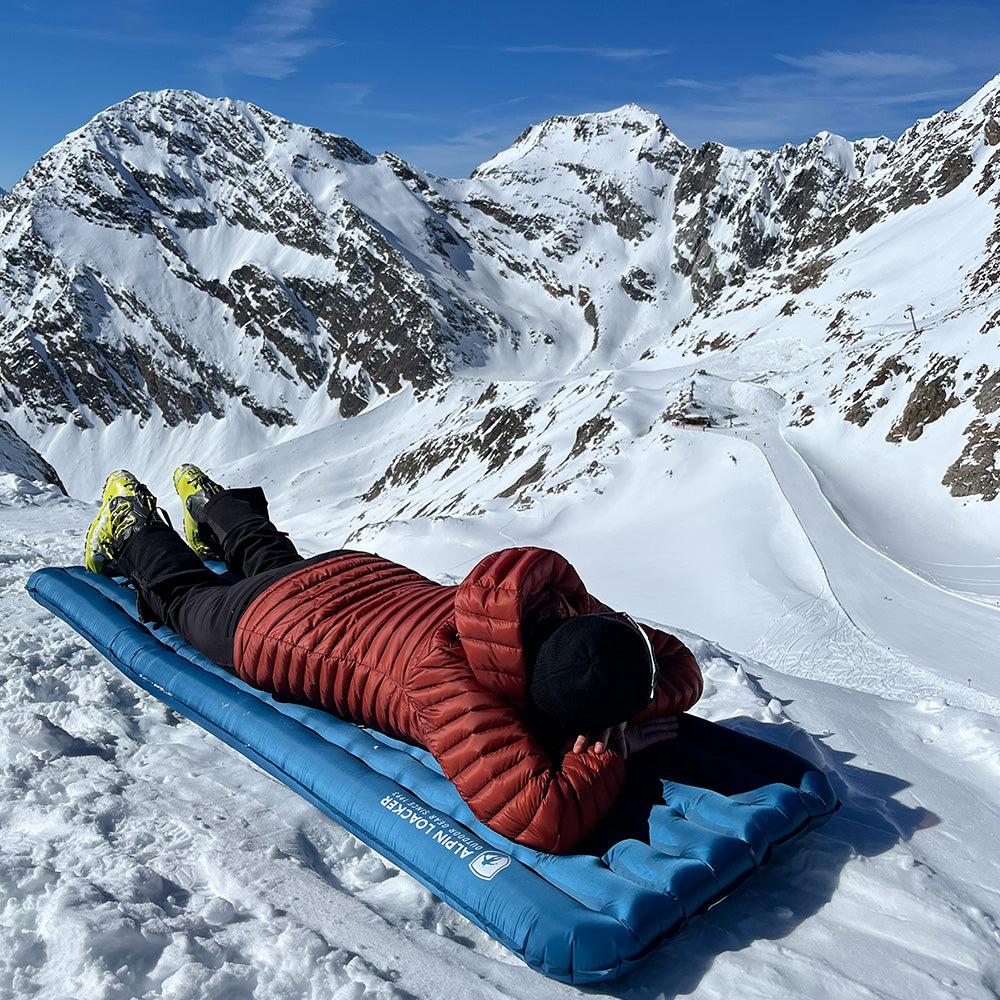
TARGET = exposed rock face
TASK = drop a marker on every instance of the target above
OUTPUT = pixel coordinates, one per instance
(20, 459)
(861, 410)
(496, 441)
(932, 397)
(178, 255)
(987, 398)
(976, 471)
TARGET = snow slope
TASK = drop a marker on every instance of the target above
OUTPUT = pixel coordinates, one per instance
(141, 858)
(517, 350)
(18, 458)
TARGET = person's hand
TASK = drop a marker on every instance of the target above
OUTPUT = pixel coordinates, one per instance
(607, 739)
(640, 735)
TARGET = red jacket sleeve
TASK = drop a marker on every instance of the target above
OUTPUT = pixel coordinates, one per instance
(680, 682)
(508, 781)
(495, 601)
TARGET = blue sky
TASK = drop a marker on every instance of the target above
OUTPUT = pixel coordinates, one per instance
(448, 84)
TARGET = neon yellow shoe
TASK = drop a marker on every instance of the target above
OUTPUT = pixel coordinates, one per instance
(195, 490)
(126, 506)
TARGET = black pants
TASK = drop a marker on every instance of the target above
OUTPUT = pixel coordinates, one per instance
(176, 588)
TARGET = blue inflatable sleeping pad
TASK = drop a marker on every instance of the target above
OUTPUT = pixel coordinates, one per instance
(697, 815)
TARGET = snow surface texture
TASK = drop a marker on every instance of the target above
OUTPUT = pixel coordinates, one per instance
(141, 858)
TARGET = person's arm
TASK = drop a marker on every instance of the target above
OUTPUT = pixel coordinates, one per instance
(680, 682)
(500, 769)
(520, 792)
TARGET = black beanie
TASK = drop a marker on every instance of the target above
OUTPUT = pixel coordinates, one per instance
(592, 673)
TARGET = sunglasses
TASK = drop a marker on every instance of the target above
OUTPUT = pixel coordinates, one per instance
(627, 619)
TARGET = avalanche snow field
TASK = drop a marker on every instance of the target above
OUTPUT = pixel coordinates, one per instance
(140, 857)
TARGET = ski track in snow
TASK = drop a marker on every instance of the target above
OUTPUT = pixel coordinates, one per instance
(940, 643)
(140, 857)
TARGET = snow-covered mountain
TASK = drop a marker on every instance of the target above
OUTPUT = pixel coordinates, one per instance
(433, 369)
(183, 262)
(178, 256)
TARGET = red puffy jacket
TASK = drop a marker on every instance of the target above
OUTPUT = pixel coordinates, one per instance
(444, 667)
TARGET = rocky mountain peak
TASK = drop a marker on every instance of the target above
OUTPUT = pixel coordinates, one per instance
(604, 140)
(984, 103)
(194, 139)
(178, 254)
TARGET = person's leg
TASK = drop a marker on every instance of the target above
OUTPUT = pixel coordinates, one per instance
(172, 583)
(175, 588)
(249, 542)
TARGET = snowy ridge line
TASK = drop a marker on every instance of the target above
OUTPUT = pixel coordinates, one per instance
(798, 518)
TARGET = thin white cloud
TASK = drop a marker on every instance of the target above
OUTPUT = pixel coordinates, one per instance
(495, 105)
(856, 93)
(766, 110)
(867, 64)
(600, 51)
(272, 41)
(687, 84)
(346, 95)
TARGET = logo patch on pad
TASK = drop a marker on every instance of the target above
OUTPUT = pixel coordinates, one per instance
(489, 863)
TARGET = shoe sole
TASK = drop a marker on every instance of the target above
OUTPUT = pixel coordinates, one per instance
(93, 559)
